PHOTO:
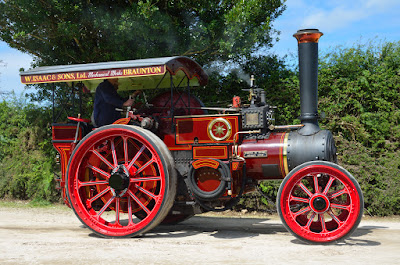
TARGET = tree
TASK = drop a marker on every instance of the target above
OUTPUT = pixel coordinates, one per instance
(67, 31)
(26, 154)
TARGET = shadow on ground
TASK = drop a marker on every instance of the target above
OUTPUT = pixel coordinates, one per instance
(219, 227)
(236, 228)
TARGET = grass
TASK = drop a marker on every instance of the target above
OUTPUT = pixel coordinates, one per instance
(8, 203)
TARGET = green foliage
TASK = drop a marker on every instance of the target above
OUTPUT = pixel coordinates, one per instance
(359, 90)
(377, 173)
(272, 75)
(69, 32)
(63, 32)
(26, 167)
(281, 86)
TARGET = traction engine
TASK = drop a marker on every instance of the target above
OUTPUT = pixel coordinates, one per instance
(168, 159)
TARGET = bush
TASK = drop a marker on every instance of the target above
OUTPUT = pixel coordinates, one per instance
(359, 90)
(26, 164)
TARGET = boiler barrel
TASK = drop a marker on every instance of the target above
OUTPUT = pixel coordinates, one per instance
(273, 156)
(265, 158)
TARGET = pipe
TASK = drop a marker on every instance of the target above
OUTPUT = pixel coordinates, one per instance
(308, 70)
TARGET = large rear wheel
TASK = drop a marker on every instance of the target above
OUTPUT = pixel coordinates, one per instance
(117, 171)
(320, 202)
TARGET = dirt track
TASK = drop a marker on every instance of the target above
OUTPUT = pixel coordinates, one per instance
(55, 236)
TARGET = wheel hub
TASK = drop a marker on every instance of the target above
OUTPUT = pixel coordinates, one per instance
(119, 180)
(319, 203)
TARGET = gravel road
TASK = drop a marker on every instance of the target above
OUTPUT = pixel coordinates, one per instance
(55, 236)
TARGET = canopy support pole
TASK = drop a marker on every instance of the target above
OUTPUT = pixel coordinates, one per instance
(172, 104)
(80, 86)
(73, 97)
(188, 91)
(52, 100)
(161, 79)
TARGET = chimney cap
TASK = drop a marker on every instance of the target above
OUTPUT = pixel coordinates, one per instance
(308, 35)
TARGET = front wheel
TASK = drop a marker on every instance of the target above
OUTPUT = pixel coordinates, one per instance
(320, 202)
(116, 172)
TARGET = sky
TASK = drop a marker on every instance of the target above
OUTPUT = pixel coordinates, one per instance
(343, 22)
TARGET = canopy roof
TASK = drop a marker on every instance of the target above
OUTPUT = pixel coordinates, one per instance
(134, 74)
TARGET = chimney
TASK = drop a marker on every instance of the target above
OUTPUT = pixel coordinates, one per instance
(308, 67)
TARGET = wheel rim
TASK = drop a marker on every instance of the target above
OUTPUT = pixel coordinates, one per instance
(114, 174)
(320, 203)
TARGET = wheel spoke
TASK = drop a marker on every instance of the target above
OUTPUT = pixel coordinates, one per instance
(125, 139)
(316, 186)
(305, 210)
(98, 170)
(322, 221)
(340, 206)
(152, 195)
(117, 208)
(299, 199)
(337, 194)
(310, 220)
(114, 154)
(136, 199)
(105, 206)
(151, 161)
(102, 158)
(328, 185)
(136, 157)
(335, 218)
(304, 188)
(91, 200)
(155, 178)
(91, 183)
(130, 210)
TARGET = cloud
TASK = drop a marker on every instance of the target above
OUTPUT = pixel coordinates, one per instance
(341, 14)
(349, 19)
(334, 19)
(381, 4)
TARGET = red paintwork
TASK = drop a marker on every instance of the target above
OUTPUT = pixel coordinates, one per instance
(274, 146)
(196, 129)
(205, 163)
(65, 132)
(64, 149)
(236, 167)
(217, 151)
(63, 137)
(207, 179)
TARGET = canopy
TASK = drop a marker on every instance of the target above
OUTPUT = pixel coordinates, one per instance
(134, 74)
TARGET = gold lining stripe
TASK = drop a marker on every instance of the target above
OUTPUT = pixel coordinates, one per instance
(285, 145)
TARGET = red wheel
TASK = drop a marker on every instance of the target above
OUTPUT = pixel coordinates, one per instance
(117, 171)
(320, 202)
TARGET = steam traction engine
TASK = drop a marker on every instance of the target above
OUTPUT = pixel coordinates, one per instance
(169, 159)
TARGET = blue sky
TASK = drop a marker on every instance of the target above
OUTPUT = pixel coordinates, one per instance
(343, 22)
